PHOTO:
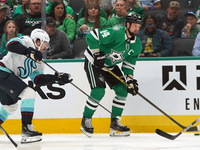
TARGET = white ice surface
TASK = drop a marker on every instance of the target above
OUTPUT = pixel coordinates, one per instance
(136, 141)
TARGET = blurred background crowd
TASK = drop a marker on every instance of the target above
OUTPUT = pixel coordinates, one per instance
(170, 28)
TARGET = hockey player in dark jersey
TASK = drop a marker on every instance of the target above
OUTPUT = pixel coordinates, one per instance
(108, 48)
(24, 60)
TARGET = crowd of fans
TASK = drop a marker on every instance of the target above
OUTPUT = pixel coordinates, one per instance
(19, 18)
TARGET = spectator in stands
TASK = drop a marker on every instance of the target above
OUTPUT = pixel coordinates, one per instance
(21, 9)
(83, 11)
(192, 28)
(196, 48)
(118, 19)
(59, 43)
(3, 18)
(198, 15)
(11, 3)
(131, 7)
(32, 20)
(58, 12)
(69, 10)
(11, 31)
(150, 4)
(91, 20)
(170, 22)
(155, 42)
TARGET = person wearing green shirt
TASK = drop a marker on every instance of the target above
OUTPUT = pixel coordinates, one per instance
(21, 9)
(65, 24)
(118, 19)
(69, 10)
(91, 21)
(108, 48)
(191, 29)
(83, 10)
(11, 31)
(131, 7)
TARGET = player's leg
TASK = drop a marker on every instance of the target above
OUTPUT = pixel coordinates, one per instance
(118, 103)
(27, 110)
(97, 85)
(14, 87)
(9, 106)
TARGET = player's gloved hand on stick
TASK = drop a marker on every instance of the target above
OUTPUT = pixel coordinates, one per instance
(99, 59)
(133, 87)
(34, 54)
(63, 78)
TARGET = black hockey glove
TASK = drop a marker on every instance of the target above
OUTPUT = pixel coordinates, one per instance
(34, 54)
(133, 87)
(63, 78)
(99, 59)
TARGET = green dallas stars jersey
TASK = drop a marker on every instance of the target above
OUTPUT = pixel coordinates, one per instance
(112, 41)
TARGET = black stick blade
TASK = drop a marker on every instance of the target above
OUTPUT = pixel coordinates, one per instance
(164, 134)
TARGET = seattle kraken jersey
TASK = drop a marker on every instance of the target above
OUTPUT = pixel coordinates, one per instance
(21, 65)
(113, 42)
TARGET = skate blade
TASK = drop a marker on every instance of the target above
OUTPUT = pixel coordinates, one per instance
(86, 133)
(31, 139)
(120, 134)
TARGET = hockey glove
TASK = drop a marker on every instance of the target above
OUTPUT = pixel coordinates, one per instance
(34, 54)
(99, 59)
(63, 78)
(133, 87)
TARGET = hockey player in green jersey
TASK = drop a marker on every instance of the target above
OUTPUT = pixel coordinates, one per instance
(108, 48)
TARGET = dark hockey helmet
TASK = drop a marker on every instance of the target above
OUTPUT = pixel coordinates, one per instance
(133, 18)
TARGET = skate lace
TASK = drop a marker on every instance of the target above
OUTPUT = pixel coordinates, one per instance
(119, 124)
(88, 123)
(31, 127)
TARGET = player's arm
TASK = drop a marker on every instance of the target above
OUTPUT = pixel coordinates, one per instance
(41, 79)
(93, 53)
(15, 46)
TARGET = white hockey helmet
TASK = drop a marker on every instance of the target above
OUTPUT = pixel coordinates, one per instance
(41, 35)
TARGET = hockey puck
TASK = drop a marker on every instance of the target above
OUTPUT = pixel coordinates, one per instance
(196, 134)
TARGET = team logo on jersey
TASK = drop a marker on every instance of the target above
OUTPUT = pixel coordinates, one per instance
(116, 28)
(27, 70)
(115, 56)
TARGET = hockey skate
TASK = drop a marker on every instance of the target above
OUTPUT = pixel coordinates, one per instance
(117, 126)
(86, 126)
(29, 135)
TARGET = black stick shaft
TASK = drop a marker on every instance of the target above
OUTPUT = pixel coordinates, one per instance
(85, 93)
(146, 99)
(12, 141)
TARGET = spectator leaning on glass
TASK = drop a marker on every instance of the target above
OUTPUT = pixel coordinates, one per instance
(58, 12)
(155, 42)
(192, 28)
(170, 22)
(92, 20)
(196, 47)
(59, 43)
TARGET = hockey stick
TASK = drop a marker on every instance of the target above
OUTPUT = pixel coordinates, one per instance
(172, 137)
(33, 147)
(183, 127)
(119, 118)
